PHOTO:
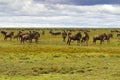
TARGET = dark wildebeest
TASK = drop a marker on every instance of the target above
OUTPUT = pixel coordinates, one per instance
(115, 31)
(54, 33)
(7, 35)
(4, 32)
(64, 35)
(85, 38)
(30, 36)
(25, 37)
(118, 34)
(107, 37)
(35, 35)
(99, 37)
(17, 36)
(75, 37)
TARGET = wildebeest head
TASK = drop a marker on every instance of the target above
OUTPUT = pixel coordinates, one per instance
(3, 32)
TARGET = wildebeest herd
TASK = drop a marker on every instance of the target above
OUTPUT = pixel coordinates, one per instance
(80, 36)
(22, 36)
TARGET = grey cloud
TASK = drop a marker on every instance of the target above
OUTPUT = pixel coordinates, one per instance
(79, 2)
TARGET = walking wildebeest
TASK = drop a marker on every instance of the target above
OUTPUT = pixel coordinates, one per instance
(99, 37)
(7, 35)
(75, 37)
(85, 38)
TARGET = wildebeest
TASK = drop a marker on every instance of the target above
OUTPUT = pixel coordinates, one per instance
(30, 36)
(54, 33)
(7, 35)
(118, 34)
(4, 32)
(64, 35)
(35, 35)
(85, 38)
(108, 36)
(17, 36)
(75, 37)
(99, 37)
(115, 31)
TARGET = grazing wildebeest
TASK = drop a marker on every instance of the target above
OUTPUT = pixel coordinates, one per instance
(64, 35)
(54, 33)
(85, 38)
(7, 35)
(99, 37)
(108, 36)
(75, 37)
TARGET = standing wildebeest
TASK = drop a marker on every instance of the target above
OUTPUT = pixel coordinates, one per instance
(118, 34)
(54, 33)
(76, 37)
(35, 35)
(85, 38)
(64, 35)
(25, 37)
(99, 37)
(17, 36)
(107, 37)
(7, 35)
(30, 36)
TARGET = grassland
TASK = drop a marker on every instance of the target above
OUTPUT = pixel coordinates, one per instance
(53, 59)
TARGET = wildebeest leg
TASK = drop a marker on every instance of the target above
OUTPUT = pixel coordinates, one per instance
(63, 39)
(5, 38)
(10, 38)
(108, 41)
(94, 41)
(86, 42)
(68, 41)
(21, 41)
(30, 40)
(101, 41)
(36, 40)
(82, 41)
(17, 38)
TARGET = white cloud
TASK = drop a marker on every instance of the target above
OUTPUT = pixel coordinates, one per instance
(28, 12)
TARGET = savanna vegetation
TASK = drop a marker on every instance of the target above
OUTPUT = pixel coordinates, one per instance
(53, 59)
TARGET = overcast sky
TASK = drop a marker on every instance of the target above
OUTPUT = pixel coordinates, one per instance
(61, 13)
